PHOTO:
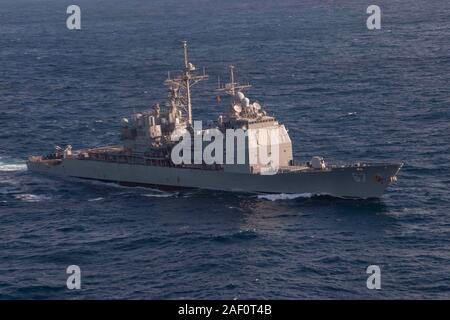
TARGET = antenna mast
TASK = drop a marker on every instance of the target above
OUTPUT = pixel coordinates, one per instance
(186, 80)
(232, 87)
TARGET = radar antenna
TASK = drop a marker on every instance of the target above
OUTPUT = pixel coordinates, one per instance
(185, 80)
(233, 87)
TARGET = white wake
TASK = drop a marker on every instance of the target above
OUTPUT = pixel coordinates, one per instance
(8, 167)
(284, 196)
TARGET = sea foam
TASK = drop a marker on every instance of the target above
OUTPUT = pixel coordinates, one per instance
(31, 197)
(284, 196)
(7, 167)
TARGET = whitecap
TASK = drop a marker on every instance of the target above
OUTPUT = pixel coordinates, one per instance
(160, 195)
(96, 199)
(31, 197)
(8, 167)
(284, 196)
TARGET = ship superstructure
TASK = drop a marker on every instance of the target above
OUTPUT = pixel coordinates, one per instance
(149, 139)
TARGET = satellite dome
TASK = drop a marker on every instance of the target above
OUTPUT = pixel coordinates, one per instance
(246, 102)
(241, 96)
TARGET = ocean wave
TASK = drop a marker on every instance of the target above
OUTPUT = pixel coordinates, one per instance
(96, 199)
(8, 167)
(31, 197)
(284, 196)
(160, 195)
(241, 235)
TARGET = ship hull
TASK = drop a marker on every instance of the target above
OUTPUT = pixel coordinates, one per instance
(349, 182)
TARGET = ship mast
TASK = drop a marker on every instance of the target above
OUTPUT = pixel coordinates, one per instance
(186, 80)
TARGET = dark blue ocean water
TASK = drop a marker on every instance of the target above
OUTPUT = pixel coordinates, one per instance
(344, 92)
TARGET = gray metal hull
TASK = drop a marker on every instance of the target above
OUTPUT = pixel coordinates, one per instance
(351, 182)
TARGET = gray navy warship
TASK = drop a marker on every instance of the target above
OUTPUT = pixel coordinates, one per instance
(148, 140)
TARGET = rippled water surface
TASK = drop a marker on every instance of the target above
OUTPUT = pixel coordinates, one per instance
(344, 92)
